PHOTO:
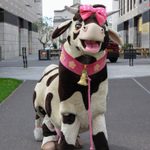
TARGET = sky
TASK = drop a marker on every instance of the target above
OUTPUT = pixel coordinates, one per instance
(50, 5)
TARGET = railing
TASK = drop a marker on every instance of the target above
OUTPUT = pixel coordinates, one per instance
(142, 51)
(48, 54)
(54, 53)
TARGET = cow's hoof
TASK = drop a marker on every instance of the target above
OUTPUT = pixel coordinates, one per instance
(49, 146)
(38, 134)
(79, 144)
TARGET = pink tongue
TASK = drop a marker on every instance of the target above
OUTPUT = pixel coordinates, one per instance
(91, 46)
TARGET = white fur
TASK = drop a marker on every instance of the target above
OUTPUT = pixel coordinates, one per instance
(41, 87)
(64, 23)
(71, 135)
(38, 134)
(50, 67)
(48, 139)
(48, 123)
(99, 99)
(99, 125)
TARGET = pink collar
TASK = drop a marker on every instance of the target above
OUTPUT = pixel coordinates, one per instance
(75, 66)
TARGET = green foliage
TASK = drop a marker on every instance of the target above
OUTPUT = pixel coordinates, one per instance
(7, 86)
(35, 27)
(55, 45)
(127, 46)
(43, 22)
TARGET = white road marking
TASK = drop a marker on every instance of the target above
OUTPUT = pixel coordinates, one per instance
(145, 89)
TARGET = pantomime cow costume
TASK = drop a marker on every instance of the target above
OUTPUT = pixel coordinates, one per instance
(71, 97)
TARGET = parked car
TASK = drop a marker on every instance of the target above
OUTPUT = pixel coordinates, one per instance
(113, 51)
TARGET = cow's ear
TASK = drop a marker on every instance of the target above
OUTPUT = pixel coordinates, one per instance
(61, 28)
(115, 37)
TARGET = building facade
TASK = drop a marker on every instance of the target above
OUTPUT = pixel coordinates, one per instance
(133, 22)
(16, 27)
(115, 17)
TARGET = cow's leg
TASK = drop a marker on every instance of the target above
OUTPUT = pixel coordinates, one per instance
(100, 137)
(69, 131)
(49, 135)
(38, 133)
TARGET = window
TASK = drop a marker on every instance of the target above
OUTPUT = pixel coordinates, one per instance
(134, 2)
(121, 7)
(124, 7)
(130, 4)
(21, 23)
(127, 5)
(1, 15)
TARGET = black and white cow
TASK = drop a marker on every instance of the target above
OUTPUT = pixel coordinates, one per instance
(60, 100)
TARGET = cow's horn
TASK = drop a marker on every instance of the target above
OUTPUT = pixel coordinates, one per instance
(71, 10)
(112, 12)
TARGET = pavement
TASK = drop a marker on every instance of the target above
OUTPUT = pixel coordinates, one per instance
(14, 68)
(127, 118)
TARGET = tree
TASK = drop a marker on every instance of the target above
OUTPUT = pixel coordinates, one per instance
(45, 30)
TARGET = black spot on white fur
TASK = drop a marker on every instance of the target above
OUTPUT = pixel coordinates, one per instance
(34, 97)
(51, 79)
(75, 35)
(48, 103)
(68, 39)
(68, 119)
(100, 141)
(41, 111)
(64, 145)
(37, 117)
(47, 73)
(47, 132)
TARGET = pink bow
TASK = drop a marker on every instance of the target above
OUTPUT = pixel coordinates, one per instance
(86, 11)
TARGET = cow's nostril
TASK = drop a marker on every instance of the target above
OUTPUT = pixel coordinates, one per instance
(85, 28)
(102, 30)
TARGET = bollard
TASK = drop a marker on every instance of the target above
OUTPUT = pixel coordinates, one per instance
(132, 55)
(24, 56)
(0, 53)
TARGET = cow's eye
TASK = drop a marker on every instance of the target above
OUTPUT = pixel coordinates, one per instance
(78, 25)
(103, 28)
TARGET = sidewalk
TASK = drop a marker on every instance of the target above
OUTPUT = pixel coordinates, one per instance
(13, 68)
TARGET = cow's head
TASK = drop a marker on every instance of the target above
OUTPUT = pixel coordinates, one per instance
(88, 31)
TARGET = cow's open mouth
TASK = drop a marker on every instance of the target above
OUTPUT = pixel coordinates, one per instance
(91, 46)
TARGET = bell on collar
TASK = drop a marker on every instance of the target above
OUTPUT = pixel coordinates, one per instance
(84, 77)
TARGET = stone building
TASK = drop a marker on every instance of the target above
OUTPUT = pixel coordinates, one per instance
(16, 26)
(133, 22)
(115, 17)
